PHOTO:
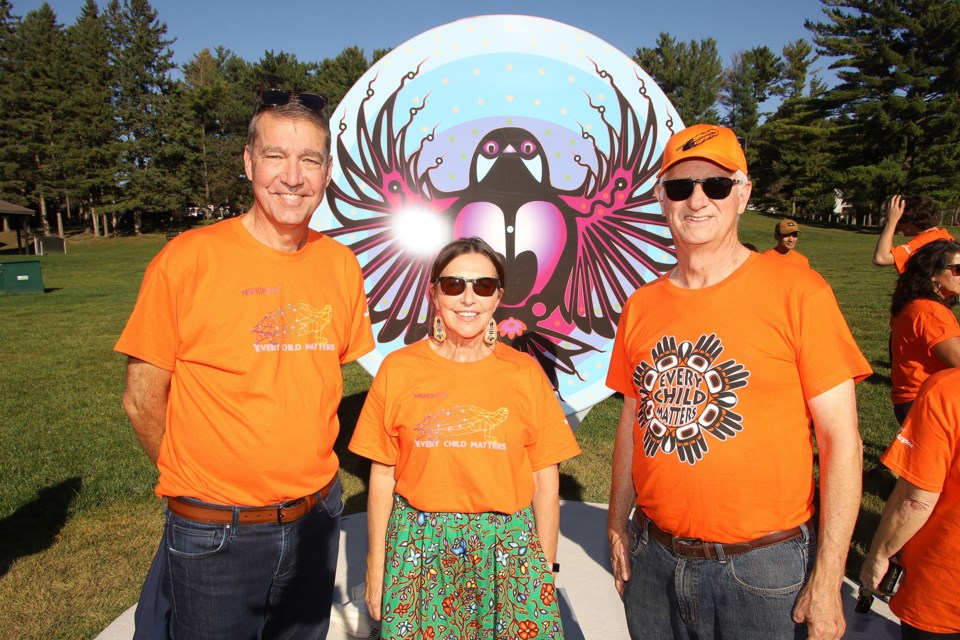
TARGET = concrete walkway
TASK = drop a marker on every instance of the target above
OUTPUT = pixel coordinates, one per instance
(590, 605)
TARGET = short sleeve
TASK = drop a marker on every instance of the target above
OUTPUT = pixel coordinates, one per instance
(360, 341)
(152, 332)
(827, 355)
(936, 326)
(924, 450)
(552, 439)
(620, 375)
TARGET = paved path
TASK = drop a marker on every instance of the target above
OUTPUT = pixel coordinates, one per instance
(590, 604)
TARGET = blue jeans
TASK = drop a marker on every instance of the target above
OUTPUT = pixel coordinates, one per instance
(253, 580)
(748, 596)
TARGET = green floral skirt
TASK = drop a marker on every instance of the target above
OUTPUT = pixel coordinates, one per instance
(466, 576)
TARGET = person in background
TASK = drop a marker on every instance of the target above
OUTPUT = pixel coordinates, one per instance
(233, 382)
(924, 333)
(465, 435)
(723, 362)
(787, 233)
(921, 521)
(915, 217)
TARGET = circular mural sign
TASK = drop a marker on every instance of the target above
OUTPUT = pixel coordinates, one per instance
(536, 136)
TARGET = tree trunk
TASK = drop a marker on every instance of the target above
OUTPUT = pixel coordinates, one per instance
(113, 223)
(96, 222)
(137, 219)
(44, 223)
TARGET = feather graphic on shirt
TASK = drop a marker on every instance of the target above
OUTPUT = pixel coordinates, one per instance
(684, 394)
(461, 420)
(293, 320)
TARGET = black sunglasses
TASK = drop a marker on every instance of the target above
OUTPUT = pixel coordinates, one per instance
(280, 97)
(714, 188)
(952, 268)
(455, 285)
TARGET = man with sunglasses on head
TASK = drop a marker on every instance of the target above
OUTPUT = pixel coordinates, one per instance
(233, 382)
(723, 362)
(787, 233)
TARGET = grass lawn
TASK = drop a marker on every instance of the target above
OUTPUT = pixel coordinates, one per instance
(78, 518)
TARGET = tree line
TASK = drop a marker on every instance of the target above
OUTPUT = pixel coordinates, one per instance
(95, 126)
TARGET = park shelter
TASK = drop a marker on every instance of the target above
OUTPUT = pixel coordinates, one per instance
(8, 210)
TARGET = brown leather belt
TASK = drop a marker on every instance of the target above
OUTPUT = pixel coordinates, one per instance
(282, 513)
(696, 548)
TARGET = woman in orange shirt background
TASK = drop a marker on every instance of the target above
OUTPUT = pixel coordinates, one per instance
(925, 335)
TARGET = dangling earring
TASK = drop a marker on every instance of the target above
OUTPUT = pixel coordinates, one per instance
(438, 333)
(491, 335)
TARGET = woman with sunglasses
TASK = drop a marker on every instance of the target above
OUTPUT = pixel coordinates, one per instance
(925, 335)
(465, 435)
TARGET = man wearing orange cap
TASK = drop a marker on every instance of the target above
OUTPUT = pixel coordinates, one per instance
(786, 233)
(723, 362)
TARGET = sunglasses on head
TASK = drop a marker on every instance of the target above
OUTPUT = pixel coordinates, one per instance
(455, 285)
(280, 97)
(954, 269)
(714, 188)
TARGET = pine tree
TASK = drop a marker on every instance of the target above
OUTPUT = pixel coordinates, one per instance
(690, 73)
(897, 104)
(141, 64)
(34, 119)
(750, 79)
(89, 147)
(218, 106)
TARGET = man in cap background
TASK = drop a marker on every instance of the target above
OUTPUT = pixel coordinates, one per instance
(786, 233)
(722, 363)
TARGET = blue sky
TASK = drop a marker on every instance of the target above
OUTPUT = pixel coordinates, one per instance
(318, 29)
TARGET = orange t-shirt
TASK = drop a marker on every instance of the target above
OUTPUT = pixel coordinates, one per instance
(902, 253)
(464, 436)
(255, 339)
(722, 443)
(791, 256)
(926, 453)
(920, 326)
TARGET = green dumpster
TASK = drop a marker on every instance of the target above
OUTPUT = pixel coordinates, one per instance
(20, 276)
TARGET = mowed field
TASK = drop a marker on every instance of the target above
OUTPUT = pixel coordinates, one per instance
(78, 518)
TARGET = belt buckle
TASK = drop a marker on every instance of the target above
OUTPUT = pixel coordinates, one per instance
(678, 543)
(287, 505)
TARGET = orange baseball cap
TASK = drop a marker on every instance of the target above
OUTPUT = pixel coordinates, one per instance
(704, 142)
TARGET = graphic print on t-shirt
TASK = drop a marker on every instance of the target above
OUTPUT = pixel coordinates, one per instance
(683, 393)
(460, 420)
(291, 321)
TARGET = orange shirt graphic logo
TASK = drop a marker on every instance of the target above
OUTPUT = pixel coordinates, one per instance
(292, 321)
(685, 393)
(461, 420)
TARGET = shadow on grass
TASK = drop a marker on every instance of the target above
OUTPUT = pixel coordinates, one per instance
(33, 527)
(349, 413)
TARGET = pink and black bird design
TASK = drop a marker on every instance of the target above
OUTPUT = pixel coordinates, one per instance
(573, 256)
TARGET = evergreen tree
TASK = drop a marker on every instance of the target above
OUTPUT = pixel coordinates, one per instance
(898, 100)
(141, 63)
(218, 105)
(34, 118)
(90, 151)
(690, 73)
(336, 76)
(748, 82)
(12, 185)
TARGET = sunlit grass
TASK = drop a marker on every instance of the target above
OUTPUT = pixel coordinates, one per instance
(64, 433)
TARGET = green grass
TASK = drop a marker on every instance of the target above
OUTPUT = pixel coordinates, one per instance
(78, 518)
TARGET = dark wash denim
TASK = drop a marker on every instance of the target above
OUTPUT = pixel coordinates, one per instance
(271, 581)
(744, 597)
